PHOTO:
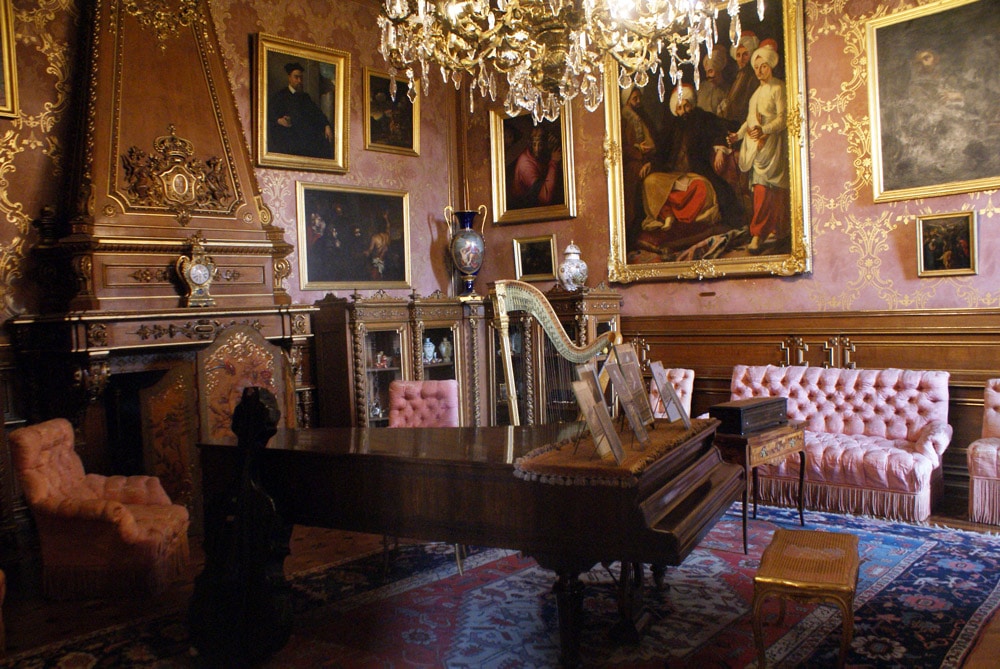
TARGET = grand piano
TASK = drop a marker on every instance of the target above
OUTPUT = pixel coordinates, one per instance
(458, 485)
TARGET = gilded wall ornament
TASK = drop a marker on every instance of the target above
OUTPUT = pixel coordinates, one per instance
(171, 178)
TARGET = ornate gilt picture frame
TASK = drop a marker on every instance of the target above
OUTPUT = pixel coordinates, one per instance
(391, 125)
(8, 71)
(947, 244)
(301, 107)
(932, 100)
(532, 165)
(352, 237)
(700, 187)
(535, 258)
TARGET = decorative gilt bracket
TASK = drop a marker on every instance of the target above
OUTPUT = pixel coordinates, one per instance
(92, 378)
(797, 345)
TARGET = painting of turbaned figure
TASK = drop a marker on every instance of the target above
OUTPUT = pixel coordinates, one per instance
(711, 176)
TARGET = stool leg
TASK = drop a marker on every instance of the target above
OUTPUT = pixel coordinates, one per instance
(758, 629)
(846, 610)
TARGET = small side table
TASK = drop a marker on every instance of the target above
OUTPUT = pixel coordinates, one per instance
(807, 566)
(763, 448)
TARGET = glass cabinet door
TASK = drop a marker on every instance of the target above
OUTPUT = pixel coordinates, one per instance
(438, 353)
(383, 364)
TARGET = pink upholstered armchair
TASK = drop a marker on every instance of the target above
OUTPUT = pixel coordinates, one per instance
(423, 403)
(984, 461)
(100, 535)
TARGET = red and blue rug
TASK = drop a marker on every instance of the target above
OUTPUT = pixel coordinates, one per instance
(924, 594)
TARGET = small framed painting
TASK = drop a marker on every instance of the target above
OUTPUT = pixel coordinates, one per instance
(301, 109)
(352, 237)
(392, 119)
(535, 258)
(947, 244)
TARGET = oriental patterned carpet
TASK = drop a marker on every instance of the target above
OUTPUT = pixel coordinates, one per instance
(924, 595)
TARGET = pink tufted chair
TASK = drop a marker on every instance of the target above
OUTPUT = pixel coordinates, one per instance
(101, 536)
(423, 403)
(683, 382)
(984, 461)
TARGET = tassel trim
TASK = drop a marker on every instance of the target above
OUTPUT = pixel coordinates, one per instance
(896, 506)
(984, 500)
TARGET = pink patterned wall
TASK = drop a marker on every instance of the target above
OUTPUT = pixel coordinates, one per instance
(349, 26)
(864, 254)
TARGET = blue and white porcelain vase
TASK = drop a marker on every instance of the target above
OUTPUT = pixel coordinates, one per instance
(572, 270)
(468, 248)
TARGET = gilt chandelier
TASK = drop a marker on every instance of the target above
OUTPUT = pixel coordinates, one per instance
(547, 51)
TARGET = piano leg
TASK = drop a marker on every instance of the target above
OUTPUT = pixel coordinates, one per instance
(632, 611)
(569, 599)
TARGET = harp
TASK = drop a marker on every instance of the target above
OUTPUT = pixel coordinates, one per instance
(516, 296)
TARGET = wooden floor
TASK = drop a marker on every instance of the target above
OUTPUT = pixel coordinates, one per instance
(33, 621)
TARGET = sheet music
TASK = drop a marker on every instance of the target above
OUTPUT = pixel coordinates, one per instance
(668, 396)
(602, 429)
(627, 403)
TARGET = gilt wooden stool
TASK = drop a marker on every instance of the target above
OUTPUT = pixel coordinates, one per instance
(807, 566)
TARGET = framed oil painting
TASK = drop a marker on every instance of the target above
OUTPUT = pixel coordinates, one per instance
(352, 237)
(535, 258)
(932, 100)
(533, 176)
(712, 181)
(392, 124)
(8, 71)
(947, 244)
(302, 105)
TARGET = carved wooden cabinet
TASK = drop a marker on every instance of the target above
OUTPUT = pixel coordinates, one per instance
(544, 393)
(364, 343)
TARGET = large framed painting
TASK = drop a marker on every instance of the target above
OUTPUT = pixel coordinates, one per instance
(533, 178)
(352, 237)
(933, 100)
(302, 105)
(8, 72)
(392, 122)
(712, 181)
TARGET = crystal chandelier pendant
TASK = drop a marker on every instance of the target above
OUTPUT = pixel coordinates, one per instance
(548, 51)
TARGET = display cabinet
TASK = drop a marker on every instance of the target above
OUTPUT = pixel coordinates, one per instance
(544, 390)
(364, 343)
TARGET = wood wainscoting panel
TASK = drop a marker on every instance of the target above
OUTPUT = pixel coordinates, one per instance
(962, 342)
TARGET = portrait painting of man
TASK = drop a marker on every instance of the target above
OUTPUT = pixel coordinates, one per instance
(301, 113)
(933, 102)
(532, 168)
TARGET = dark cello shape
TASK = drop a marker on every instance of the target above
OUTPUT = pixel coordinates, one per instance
(241, 609)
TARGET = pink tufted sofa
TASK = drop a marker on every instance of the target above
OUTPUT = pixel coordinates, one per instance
(983, 458)
(874, 438)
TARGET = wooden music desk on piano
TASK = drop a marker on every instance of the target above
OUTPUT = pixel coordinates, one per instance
(458, 485)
